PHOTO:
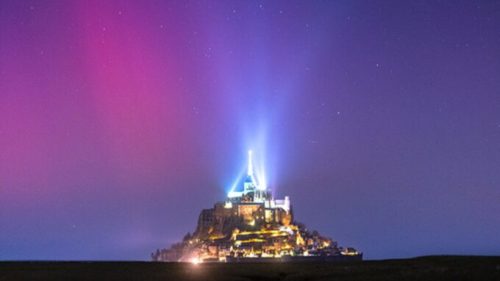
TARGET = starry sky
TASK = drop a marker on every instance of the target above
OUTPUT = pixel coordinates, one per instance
(121, 120)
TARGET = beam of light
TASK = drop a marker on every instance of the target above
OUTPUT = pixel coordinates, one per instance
(262, 183)
(259, 177)
(238, 180)
(250, 165)
(258, 136)
(255, 172)
(258, 172)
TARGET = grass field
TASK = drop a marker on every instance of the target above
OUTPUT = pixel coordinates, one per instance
(424, 268)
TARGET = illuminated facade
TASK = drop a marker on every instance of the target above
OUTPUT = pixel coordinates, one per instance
(251, 225)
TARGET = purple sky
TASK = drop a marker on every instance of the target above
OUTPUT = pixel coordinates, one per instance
(121, 120)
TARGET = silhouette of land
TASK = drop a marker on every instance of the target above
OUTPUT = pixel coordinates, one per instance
(422, 268)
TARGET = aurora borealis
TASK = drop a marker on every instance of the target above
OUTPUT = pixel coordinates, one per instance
(120, 120)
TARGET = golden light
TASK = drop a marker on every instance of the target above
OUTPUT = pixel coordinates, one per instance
(195, 261)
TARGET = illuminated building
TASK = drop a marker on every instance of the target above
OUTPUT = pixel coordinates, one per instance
(251, 225)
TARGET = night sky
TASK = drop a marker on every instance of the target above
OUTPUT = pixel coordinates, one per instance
(121, 120)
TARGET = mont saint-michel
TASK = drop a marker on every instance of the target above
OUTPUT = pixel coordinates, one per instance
(250, 225)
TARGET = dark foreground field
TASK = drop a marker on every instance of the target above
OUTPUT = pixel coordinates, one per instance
(424, 268)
